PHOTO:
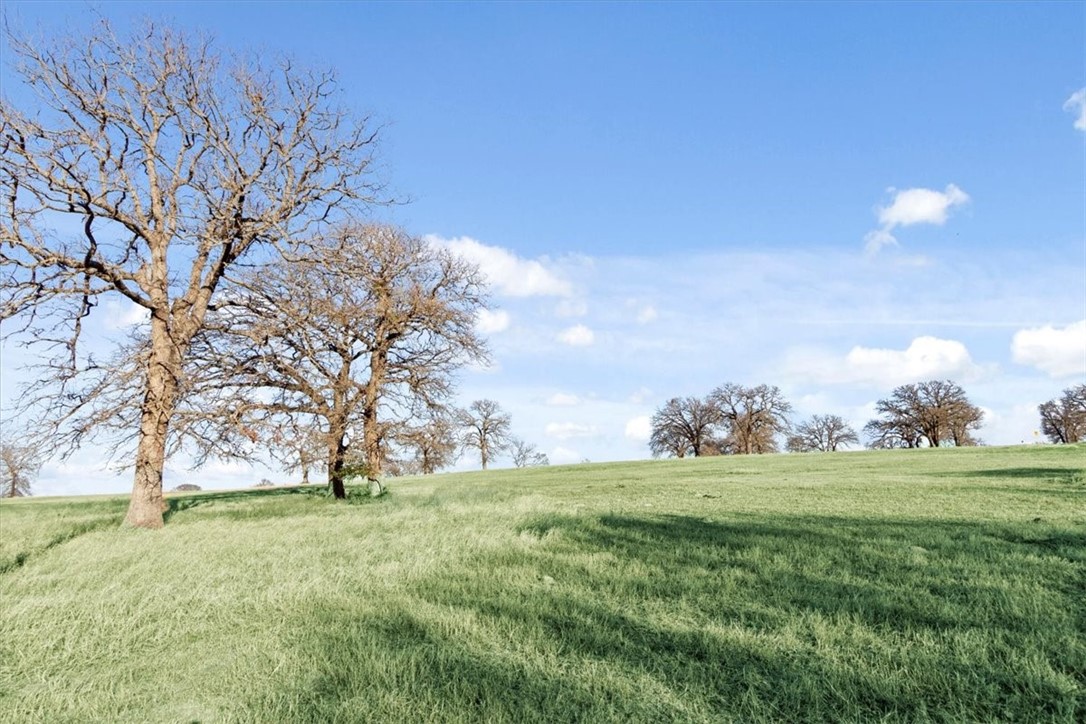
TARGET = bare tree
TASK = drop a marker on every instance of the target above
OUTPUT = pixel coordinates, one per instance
(485, 428)
(177, 168)
(19, 464)
(685, 425)
(526, 455)
(431, 443)
(822, 433)
(937, 412)
(1063, 420)
(754, 416)
(377, 324)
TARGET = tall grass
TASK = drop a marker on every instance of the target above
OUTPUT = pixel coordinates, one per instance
(932, 585)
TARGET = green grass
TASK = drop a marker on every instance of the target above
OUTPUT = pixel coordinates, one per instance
(926, 585)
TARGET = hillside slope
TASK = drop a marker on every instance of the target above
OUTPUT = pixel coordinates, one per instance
(903, 586)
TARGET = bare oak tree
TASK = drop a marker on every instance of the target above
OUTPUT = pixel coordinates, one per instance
(19, 464)
(526, 455)
(176, 166)
(1063, 420)
(822, 433)
(754, 417)
(485, 428)
(936, 412)
(686, 425)
(430, 441)
(376, 325)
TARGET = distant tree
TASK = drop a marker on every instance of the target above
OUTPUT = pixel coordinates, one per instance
(1063, 420)
(753, 417)
(187, 488)
(685, 426)
(19, 465)
(822, 433)
(525, 455)
(145, 168)
(264, 483)
(377, 324)
(937, 412)
(430, 443)
(485, 428)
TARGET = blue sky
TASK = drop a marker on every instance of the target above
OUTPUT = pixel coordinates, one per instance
(834, 198)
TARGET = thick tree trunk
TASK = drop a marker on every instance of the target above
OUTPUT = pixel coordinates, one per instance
(337, 452)
(147, 504)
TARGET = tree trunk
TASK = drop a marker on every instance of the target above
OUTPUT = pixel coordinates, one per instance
(337, 452)
(147, 505)
(483, 451)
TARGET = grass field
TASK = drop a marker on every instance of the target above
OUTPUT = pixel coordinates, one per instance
(923, 585)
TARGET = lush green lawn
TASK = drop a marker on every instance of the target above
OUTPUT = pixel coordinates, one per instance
(945, 585)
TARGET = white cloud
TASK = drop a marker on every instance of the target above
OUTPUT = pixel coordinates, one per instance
(639, 429)
(647, 314)
(507, 273)
(913, 206)
(640, 395)
(562, 399)
(1057, 351)
(569, 430)
(577, 336)
(563, 456)
(488, 322)
(921, 206)
(878, 238)
(124, 316)
(1077, 104)
(925, 358)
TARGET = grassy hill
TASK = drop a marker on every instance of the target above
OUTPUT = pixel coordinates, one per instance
(896, 586)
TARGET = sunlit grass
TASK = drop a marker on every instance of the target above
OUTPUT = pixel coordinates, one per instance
(943, 585)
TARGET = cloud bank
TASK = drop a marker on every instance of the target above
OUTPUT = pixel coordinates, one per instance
(1056, 351)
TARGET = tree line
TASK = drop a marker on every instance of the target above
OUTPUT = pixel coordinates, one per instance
(738, 420)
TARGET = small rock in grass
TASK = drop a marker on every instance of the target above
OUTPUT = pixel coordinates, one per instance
(548, 581)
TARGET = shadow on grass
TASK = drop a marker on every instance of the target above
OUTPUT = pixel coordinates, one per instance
(678, 618)
(1050, 474)
(259, 503)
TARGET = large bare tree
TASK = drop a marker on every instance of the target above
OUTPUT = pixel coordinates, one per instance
(686, 425)
(754, 416)
(175, 167)
(431, 442)
(362, 334)
(936, 412)
(822, 433)
(485, 428)
(19, 464)
(1063, 420)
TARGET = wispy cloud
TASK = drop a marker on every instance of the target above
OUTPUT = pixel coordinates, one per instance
(1056, 351)
(1077, 104)
(577, 336)
(569, 430)
(563, 399)
(913, 206)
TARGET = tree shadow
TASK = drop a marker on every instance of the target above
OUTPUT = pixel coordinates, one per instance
(1040, 474)
(257, 503)
(679, 618)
